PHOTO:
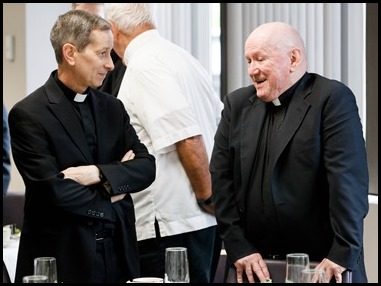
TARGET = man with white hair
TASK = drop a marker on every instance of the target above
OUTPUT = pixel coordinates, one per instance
(175, 111)
(298, 180)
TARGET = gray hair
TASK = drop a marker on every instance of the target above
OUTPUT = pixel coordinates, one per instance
(75, 5)
(128, 16)
(75, 27)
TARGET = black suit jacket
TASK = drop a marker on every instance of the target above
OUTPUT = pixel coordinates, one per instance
(319, 180)
(60, 214)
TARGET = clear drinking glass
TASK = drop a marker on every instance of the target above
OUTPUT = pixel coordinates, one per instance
(313, 276)
(148, 280)
(295, 264)
(46, 266)
(176, 265)
(35, 279)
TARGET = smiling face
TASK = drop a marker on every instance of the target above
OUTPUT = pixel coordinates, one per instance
(94, 62)
(273, 56)
(82, 43)
(89, 66)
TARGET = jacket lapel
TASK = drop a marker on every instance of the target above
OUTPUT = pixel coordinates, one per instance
(62, 109)
(296, 112)
(252, 121)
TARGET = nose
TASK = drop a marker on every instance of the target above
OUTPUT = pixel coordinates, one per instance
(253, 69)
(109, 64)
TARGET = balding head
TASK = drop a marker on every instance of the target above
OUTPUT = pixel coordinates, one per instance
(276, 56)
(277, 35)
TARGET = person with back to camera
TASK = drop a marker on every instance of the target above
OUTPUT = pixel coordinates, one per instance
(175, 111)
(80, 159)
(289, 168)
(111, 83)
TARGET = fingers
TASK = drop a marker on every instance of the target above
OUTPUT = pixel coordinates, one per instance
(128, 156)
(248, 274)
(332, 270)
(251, 266)
(338, 278)
(262, 272)
(239, 276)
(337, 274)
(117, 198)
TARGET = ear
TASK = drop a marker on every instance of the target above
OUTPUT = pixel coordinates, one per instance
(295, 58)
(115, 31)
(69, 51)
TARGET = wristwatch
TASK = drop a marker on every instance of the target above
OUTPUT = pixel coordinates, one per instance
(206, 202)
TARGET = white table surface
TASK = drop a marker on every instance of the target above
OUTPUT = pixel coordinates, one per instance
(10, 252)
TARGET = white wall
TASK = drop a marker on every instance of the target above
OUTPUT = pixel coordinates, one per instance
(40, 59)
(332, 32)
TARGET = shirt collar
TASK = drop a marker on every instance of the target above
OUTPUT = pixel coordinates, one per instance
(285, 97)
(69, 93)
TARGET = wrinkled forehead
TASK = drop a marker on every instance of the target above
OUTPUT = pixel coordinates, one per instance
(269, 37)
(257, 40)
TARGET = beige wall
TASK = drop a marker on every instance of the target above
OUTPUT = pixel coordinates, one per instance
(14, 73)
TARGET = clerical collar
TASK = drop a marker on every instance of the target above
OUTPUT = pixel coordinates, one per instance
(80, 97)
(285, 97)
(276, 102)
(71, 94)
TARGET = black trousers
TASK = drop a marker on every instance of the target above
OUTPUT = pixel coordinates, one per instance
(216, 256)
(109, 264)
(201, 249)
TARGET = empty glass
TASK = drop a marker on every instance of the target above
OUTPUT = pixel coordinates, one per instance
(147, 280)
(295, 264)
(313, 276)
(176, 265)
(46, 266)
(35, 279)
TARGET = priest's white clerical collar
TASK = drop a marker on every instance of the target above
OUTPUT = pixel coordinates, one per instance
(80, 97)
(276, 102)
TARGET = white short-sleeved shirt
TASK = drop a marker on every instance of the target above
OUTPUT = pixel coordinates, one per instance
(169, 97)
